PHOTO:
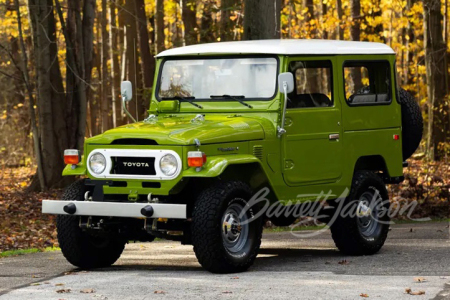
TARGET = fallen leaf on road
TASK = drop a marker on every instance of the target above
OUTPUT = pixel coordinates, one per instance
(344, 262)
(63, 291)
(234, 278)
(59, 284)
(364, 295)
(87, 291)
(419, 279)
(411, 230)
(159, 292)
(70, 273)
(410, 292)
(34, 284)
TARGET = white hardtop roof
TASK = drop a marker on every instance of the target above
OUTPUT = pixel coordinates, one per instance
(282, 47)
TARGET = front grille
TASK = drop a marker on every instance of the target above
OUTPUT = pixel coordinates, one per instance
(133, 166)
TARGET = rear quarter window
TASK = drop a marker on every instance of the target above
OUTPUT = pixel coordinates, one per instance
(367, 83)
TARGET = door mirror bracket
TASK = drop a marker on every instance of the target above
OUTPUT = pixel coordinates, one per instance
(286, 82)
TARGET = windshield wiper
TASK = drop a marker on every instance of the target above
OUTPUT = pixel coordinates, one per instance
(236, 98)
(181, 98)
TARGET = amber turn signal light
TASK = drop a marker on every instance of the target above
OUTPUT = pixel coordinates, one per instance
(196, 159)
(71, 157)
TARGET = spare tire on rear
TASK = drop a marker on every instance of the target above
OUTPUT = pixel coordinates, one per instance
(412, 123)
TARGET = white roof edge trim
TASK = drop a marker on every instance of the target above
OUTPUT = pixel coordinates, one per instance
(282, 47)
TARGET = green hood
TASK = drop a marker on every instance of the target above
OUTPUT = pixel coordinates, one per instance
(181, 130)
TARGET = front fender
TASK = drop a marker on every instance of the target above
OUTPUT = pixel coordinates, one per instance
(217, 164)
(79, 170)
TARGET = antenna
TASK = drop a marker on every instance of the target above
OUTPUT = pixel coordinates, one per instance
(135, 78)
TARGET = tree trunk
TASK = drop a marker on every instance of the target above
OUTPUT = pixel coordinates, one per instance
(88, 47)
(31, 111)
(115, 68)
(226, 24)
(135, 106)
(308, 6)
(105, 104)
(340, 30)
(262, 19)
(147, 60)
(409, 55)
(207, 30)
(50, 91)
(324, 17)
(435, 50)
(355, 28)
(159, 26)
(189, 16)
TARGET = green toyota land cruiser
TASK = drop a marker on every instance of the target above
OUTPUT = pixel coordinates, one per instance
(230, 123)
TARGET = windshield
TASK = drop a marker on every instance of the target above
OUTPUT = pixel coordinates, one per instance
(201, 78)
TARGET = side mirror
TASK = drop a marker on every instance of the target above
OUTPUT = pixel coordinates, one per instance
(126, 90)
(286, 80)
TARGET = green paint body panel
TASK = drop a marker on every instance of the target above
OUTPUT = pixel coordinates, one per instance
(303, 161)
(79, 170)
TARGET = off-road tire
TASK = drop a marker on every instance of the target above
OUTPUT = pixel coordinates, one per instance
(345, 230)
(208, 211)
(412, 123)
(77, 245)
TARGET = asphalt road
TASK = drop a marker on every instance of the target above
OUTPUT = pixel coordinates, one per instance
(287, 267)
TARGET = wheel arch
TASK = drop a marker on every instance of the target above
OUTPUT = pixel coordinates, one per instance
(245, 168)
(375, 163)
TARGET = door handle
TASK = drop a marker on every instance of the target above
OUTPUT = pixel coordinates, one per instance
(333, 136)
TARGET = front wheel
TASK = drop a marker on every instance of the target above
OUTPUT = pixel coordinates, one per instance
(226, 233)
(81, 248)
(362, 222)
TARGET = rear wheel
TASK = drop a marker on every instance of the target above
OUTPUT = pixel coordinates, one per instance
(82, 248)
(361, 227)
(225, 232)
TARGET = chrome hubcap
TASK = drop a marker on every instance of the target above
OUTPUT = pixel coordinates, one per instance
(235, 229)
(231, 227)
(364, 214)
(367, 215)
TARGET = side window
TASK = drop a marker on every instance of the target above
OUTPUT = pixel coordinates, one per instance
(367, 82)
(313, 84)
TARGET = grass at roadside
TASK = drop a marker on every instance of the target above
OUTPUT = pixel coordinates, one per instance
(26, 251)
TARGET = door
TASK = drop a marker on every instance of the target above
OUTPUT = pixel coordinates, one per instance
(312, 143)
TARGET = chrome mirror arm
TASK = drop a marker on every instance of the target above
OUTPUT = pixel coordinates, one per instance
(124, 99)
(280, 129)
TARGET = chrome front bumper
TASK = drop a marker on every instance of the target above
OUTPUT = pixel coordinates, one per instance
(114, 209)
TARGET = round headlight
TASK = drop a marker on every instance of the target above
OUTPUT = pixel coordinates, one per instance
(97, 163)
(168, 164)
